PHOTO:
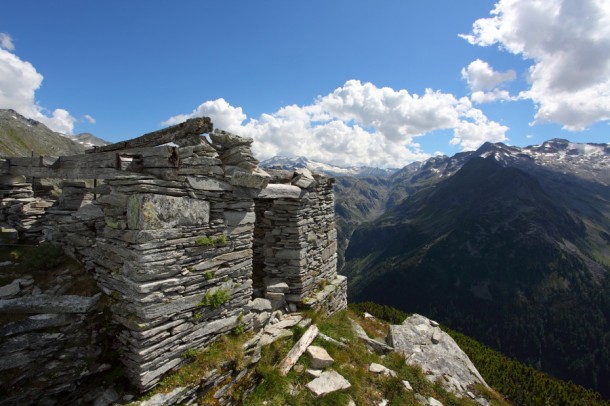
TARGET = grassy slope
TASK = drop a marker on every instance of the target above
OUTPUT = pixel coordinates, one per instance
(520, 384)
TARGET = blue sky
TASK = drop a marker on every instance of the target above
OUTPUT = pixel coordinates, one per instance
(346, 82)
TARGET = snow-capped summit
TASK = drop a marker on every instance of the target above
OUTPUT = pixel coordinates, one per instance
(320, 167)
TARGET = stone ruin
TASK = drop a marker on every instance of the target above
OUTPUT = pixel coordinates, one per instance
(187, 240)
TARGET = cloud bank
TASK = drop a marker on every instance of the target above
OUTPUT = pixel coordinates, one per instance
(357, 124)
(19, 81)
(569, 44)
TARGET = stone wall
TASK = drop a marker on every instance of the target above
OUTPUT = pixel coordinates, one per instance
(171, 245)
(20, 210)
(298, 239)
(54, 334)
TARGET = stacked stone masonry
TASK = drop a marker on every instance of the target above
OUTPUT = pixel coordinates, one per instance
(180, 239)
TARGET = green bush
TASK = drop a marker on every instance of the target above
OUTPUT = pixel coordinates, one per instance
(209, 241)
(215, 299)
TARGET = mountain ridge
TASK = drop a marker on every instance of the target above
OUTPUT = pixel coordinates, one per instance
(22, 136)
(509, 249)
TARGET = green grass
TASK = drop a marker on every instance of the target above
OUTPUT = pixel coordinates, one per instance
(521, 384)
(352, 362)
(226, 350)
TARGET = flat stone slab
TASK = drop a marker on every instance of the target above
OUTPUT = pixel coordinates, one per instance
(380, 369)
(152, 211)
(304, 178)
(277, 287)
(314, 372)
(328, 382)
(280, 191)
(49, 304)
(10, 290)
(319, 357)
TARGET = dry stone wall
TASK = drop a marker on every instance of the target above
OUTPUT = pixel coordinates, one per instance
(20, 210)
(169, 237)
(297, 239)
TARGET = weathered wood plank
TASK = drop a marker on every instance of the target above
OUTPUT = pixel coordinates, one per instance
(299, 348)
(190, 127)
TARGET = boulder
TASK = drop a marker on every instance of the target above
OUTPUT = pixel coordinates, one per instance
(260, 305)
(425, 345)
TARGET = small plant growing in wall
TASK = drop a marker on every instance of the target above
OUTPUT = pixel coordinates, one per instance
(215, 299)
(240, 327)
(189, 353)
(208, 275)
(209, 241)
(322, 284)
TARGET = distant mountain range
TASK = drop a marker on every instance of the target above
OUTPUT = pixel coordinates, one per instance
(21, 136)
(332, 170)
(509, 245)
(87, 140)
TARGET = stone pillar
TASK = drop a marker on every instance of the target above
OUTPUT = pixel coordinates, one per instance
(298, 240)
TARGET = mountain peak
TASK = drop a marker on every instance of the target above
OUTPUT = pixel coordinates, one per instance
(279, 162)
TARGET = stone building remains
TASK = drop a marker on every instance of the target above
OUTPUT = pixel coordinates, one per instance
(187, 240)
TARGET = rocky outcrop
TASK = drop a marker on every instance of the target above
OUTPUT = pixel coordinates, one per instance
(423, 343)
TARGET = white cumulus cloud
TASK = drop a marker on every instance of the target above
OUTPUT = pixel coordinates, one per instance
(6, 42)
(356, 124)
(88, 118)
(568, 42)
(19, 81)
(485, 83)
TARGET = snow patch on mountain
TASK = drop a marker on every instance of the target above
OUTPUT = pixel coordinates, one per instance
(321, 167)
